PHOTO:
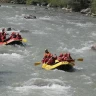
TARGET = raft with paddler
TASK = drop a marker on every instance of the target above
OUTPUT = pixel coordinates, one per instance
(61, 62)
(14, 38)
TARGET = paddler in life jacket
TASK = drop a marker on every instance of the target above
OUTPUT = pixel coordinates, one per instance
(49, 58)
(60, 57)
(13, 35)
(52, 59)
(0, 37)
(3, 35)
(47, 53)
(67, 57)
(18, 36)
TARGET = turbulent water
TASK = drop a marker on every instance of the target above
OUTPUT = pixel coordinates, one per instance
(59, 32)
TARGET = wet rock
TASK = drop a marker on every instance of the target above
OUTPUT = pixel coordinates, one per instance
(85, 11)
(30, 17)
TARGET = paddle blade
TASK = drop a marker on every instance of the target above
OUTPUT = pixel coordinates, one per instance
(80, 59)
(37, 63)
(24, 40)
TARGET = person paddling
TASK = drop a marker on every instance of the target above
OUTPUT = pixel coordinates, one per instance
(65, 57)
(3, 35)
(13, 35)
(18, 36)
(47, 53)
(52, 59)
(0, 37)
(48, 57)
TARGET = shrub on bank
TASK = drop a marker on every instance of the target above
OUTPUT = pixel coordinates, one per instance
(58, 3)
(54, 3)
(93, 6)
(76, 5)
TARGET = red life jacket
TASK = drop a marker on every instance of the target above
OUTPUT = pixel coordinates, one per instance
(51, 60)
(3, 36)
(13, 35)
(0, 37)
(47, 55)
(18, 36)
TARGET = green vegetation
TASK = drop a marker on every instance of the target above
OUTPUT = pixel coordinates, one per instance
(93, 6)
(58, 3)
(28, 1)
(76, 5)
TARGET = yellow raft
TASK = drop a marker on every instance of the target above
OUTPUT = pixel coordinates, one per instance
(59, 65)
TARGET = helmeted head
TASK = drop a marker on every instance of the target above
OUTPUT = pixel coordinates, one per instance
(61, 55)
(65, 54)
(46, 50)
(3, 30)
(13, 32)
(18, 34)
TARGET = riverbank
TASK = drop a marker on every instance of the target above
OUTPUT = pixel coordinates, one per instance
(4, 1)
(86, 12)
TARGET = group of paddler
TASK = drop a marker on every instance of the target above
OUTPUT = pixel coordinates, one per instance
(50, 59)
(13, 35)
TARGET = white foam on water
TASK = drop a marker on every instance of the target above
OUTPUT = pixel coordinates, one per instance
(78, 68)
(87, 79)
(15, 18)
(81, 50)
(45, 18)
(93, 74)
(93, 35)
(5, 6)
(14, 57)
(28, 8)
(74, 50)
(11, 56)
(87, 24)
(49, 29)
(10, 59)
(15, 23)
(50, 87)
(12, 30)
(40, 32)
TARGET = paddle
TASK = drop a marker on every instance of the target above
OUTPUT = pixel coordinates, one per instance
(80, 59)
(38, 63)
(24, 40)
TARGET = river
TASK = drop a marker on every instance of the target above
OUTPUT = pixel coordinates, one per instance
(57, 31)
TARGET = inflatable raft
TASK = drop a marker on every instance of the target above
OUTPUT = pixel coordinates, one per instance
(66, 66)
(12, 41)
